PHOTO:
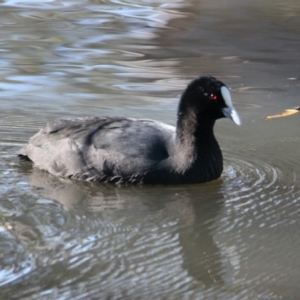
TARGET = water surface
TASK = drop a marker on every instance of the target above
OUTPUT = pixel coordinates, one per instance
(234, 238)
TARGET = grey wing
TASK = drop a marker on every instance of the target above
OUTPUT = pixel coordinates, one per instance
(95, 148)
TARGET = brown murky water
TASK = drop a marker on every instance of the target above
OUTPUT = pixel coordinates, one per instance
(235, 238)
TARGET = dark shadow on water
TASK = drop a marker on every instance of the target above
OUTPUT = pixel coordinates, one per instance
(187, 212)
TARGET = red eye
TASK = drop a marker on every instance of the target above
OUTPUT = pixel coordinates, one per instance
(213, 97)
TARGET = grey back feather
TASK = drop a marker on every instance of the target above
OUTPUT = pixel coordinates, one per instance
(102, 149)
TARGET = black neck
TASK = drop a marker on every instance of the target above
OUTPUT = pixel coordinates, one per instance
(197, 150)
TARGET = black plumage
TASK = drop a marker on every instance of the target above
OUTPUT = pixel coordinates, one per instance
(122, 150)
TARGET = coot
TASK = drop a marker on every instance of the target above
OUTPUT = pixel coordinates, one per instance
(124, 150)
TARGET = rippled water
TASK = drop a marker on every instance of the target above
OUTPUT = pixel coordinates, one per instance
(234, 238)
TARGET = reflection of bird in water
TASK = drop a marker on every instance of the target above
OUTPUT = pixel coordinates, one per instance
(120, 150)
(182, 218)
(70, 194)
